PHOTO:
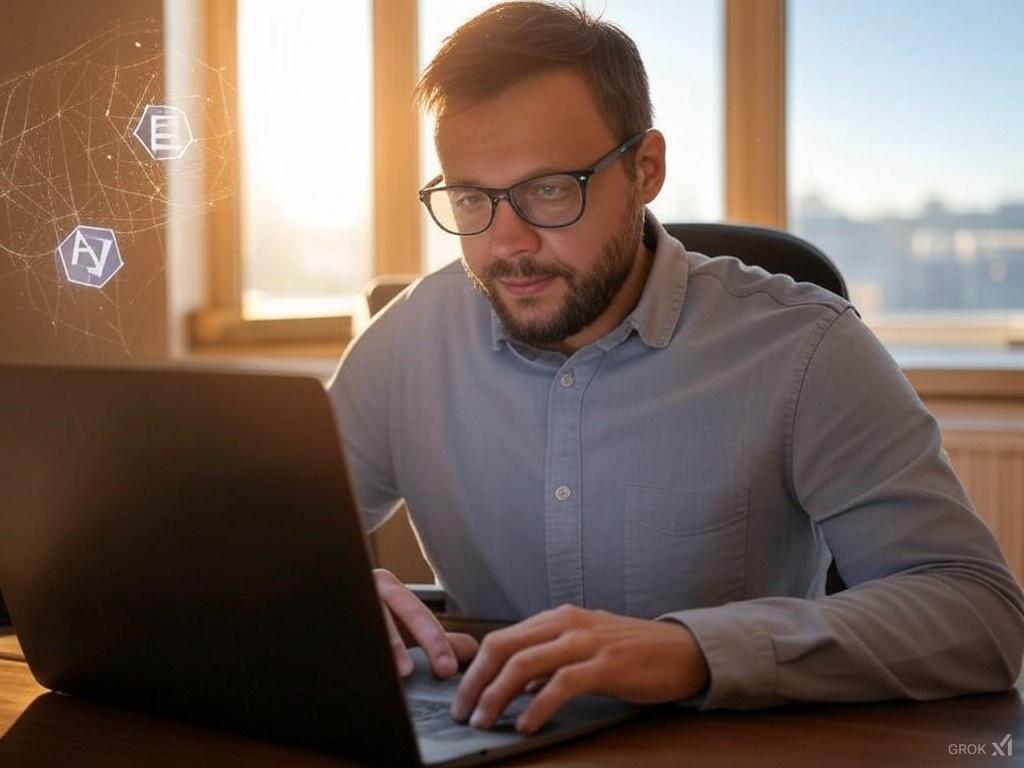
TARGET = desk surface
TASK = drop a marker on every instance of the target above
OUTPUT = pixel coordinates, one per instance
(44, 729)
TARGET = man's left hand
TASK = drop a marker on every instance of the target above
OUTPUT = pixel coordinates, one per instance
(570, 651)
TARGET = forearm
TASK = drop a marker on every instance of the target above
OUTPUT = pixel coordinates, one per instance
(916, 636)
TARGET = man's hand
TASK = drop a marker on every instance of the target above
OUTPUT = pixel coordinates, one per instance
(410, 622)
(571, 651)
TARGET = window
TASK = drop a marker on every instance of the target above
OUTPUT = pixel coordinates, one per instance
(906, 159)
(307, 173)
(892, 145)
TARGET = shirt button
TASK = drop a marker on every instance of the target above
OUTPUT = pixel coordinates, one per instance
(563, 492)
(566, 380)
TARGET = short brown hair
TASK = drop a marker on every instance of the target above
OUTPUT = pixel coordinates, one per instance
(517, 39)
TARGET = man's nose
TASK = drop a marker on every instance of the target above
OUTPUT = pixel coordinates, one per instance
(510, 234)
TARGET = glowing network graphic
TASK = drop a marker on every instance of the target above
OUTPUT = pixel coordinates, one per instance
(88, 144)
(90, 255)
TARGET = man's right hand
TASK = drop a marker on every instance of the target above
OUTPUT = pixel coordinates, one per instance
(411, 623)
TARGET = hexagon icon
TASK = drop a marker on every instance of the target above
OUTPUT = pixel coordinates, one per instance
(164, 131)
(90, 256)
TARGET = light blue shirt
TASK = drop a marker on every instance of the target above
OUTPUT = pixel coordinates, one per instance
(703, 463)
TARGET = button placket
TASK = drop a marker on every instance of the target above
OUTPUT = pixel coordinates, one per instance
(564, 483)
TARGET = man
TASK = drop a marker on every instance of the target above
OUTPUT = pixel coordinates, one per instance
(645, 457)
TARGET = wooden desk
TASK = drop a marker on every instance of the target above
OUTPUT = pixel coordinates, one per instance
(9, 646)
(44, 729)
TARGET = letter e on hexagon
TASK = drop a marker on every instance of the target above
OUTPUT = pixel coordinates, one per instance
(164, 131)
(90, 256)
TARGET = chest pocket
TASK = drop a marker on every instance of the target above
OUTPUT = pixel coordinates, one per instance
(684, 548)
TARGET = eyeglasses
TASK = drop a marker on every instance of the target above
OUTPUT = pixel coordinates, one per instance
(550, 201)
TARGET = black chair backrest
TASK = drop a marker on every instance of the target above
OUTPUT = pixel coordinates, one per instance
(774, 250)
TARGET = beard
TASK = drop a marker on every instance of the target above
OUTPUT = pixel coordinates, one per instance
(588, 294)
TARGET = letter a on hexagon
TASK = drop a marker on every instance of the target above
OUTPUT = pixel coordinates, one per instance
(90, 256)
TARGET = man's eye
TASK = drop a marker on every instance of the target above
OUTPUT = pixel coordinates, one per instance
(468, 199)
(550, 189)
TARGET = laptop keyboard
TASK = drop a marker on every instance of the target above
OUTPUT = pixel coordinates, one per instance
(426, 711)
(430, 716)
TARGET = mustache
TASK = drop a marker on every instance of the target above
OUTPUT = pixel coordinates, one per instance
(525, 268)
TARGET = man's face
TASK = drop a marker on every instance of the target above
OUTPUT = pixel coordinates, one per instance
(554, 288)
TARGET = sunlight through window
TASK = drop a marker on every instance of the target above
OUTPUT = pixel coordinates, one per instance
(306, 116)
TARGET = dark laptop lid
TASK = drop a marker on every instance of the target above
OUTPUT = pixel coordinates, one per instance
(183, 542)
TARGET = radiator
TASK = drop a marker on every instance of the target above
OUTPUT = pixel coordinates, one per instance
(990, 463)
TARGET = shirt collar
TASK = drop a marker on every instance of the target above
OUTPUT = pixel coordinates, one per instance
(655, 316)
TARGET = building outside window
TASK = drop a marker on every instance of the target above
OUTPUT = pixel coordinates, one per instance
(906, 155)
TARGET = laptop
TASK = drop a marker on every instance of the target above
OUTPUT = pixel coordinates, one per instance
(185, 542)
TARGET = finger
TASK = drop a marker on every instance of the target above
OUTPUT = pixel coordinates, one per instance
(495, 650)
(524, 668)
(418, 621)
(464, 646)
(535, 685)
(403, 660)
(568, 682)
(491, 657)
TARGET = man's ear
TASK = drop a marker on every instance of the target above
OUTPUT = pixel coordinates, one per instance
(649, 160)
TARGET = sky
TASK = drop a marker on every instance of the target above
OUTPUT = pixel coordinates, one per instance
(896, 101)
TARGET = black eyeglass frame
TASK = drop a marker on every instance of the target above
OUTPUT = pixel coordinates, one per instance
(497, 195)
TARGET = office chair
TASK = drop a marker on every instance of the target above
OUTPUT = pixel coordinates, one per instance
(380, 290)
(774, 250)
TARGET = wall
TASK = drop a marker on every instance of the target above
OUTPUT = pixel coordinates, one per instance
(985, 442)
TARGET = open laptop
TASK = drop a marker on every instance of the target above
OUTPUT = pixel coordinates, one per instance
(185, 542)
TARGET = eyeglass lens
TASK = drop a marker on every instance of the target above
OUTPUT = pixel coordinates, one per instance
(549, 201)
